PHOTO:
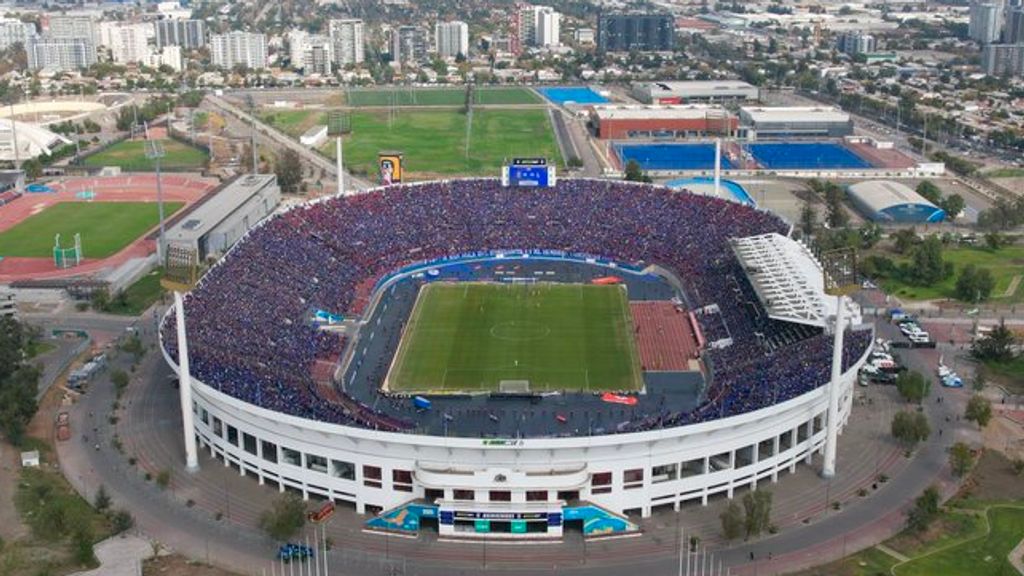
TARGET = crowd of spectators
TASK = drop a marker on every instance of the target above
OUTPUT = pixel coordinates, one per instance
(248, 321)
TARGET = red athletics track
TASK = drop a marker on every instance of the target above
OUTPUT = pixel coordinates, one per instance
(126, 188)
(663, 336)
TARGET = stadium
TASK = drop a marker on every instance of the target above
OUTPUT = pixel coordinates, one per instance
(507, 362)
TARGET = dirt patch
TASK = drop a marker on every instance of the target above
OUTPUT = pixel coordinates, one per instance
(994, 479)
(1005, 435)
(175, 565)
(11, 528)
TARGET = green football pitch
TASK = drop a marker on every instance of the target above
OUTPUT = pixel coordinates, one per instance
(130, 156)
(106, 228)
(472, 337)
(434, 141)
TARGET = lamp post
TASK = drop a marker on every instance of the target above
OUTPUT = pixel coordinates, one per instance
(154, 152)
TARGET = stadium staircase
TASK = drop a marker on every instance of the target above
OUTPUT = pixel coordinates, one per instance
(598, 521)
(404, 519)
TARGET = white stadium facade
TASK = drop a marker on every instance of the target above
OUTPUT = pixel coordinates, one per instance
(535, 481)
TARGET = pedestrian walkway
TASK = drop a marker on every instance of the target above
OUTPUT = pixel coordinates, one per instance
(892, 553)
(1016, 557)
(120, 556)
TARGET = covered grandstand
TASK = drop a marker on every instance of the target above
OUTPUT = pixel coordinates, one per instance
(888, 201)
(30, 140)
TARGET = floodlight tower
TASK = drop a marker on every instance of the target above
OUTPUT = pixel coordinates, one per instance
(718, 166)
(839, 268)
(341, 168)
(180, 276)
(154, 152)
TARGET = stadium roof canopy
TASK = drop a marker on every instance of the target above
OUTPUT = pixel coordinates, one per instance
(32, 140)
(699, 89)
(888, 201)
(786, 277)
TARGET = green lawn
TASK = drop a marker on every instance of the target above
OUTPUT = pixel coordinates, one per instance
(982, 556)
(455, 96)
(470, 337)
(106, 228)
(1004, 173)
(130, 155)
(870, 562)
(137, 297)
(1004, 264)
(294, 122)
(434, 141)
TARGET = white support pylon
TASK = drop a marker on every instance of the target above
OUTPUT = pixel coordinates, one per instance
(341, 170)
(718, 166)
(185, 388)
(828, 469)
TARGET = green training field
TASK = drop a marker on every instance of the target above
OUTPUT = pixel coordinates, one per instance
(106, 228)
(439, 96)
(1006, 264)
(130, 155)
(470, 337)
(985, 554)
(434, 141)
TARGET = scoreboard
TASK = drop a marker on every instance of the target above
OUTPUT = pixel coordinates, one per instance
(528, 173)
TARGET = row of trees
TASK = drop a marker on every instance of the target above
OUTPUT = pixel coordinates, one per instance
(953, 204)
(18, 380)
(753, 519)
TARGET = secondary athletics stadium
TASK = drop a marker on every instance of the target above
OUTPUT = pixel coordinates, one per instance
(505, 362)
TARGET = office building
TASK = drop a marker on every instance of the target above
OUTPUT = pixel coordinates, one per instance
(59, 54)
(535, 26)
(985, 22)
(189, 34)
(347, 37)
(548, 28)
(408, 45)
(73, 27)
(15, 32)
(451, 39)
(853, 43)
(1014, 32)
(239, 49)
(128, 43)
(640, 32)
(1003, 59)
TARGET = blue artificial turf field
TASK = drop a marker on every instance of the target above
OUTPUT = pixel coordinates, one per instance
(577, 95)
(805, 156)
(671, 156)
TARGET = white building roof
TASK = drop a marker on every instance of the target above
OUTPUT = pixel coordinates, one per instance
(879, 195)
(700, 88)
(654, 112)
(791, 114)
(787, 279)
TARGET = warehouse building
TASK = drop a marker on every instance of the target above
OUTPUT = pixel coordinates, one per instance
(808, 121)
(694, 91)
(888, 201)
(215, 225)
(620, 122)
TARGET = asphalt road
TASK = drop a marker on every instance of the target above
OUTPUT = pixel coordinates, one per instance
(150, 415)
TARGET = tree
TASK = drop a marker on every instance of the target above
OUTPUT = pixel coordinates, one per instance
(905, 239)
(102, 500)
(82, 544)
(928, 266)
(288, 168)
(732, 521)
(835, 216)
(808, 219)
(757, 508)
(980, 380)
(634, 173)
(870, 234)
(910, 428)
(285, 518)
(121, 520)
(996, 346)
(18, 380)
(930, 191)
(979, 410)
(912, 386)
(960, 459)
(994, 240)
(926, 508)
(33, 168)
(953, 205)
(974, 284)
